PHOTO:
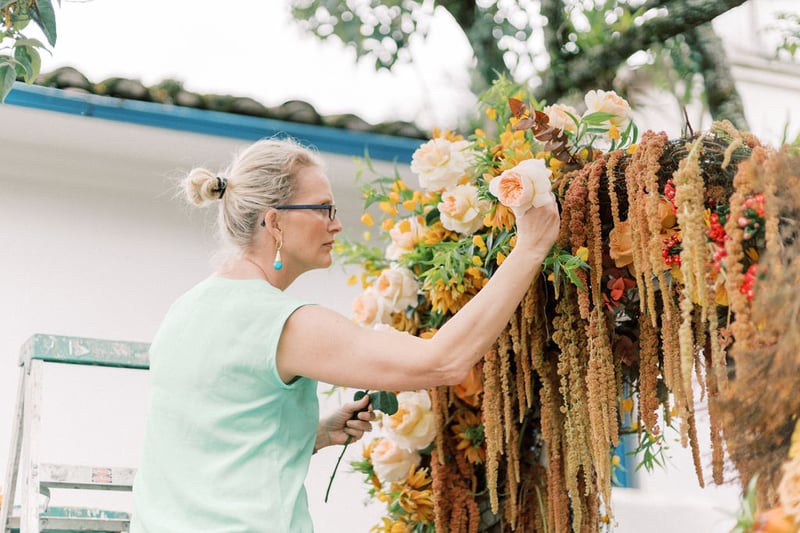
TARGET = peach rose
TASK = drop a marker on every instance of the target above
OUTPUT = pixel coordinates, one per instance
(461, 210)
(559, 115)
(525, 185)
(405, 235)
(392, 462)
(413, 425)
(398, 287)
(370, 308)
(440, 163)
(608, 102)
(620, 244)
(666, 214)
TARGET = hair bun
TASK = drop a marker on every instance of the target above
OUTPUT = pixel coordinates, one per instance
(203, 187)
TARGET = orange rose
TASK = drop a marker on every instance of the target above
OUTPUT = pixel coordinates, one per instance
(471, 388)
(773, 521)
(621, 244)
(666, 214)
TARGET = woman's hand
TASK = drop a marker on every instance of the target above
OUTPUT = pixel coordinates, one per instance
(343, 426)
(538, 228)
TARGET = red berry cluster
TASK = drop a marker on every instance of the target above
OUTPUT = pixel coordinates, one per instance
(752, 220)
(669, 193)
(671, 252)
(748, 285)
(716, 233)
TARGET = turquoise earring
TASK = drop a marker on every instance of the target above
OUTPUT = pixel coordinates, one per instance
(278, 263)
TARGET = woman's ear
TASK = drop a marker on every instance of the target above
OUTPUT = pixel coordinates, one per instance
(271, 222)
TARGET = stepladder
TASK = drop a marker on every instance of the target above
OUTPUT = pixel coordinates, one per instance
(29, 481)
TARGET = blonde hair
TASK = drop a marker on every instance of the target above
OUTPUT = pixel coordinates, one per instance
(260, 176)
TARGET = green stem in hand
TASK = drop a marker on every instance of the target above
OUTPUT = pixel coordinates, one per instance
(380, 401)
(339, 460)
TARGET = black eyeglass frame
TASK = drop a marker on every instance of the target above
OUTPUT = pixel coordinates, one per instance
(330, 207)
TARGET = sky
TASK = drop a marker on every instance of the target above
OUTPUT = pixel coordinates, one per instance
(254, 48)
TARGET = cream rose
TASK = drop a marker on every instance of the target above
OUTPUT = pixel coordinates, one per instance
(608, 102)
(413, 425)
(370, 308)
(391, 461)
(440, 163)
(405, 235)
(398, 287)
(525, 185)
(559, 115)
(461, 210)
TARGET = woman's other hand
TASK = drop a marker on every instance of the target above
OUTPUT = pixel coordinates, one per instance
(347, 424)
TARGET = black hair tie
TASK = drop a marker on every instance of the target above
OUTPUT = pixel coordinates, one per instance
(222, 184)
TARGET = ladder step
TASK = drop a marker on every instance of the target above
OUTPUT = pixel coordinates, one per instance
(74, 520)
(59, 476)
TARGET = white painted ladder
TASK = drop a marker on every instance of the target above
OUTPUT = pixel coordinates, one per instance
(23, 459)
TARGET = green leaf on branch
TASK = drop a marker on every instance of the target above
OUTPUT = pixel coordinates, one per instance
(8, 75)
(45, 16)
(385, 402)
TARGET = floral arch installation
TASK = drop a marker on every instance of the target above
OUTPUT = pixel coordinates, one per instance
(670, 289)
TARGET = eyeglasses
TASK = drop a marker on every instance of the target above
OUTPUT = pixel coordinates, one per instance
(330, 208)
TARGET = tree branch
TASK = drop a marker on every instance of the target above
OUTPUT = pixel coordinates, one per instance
(583, 70)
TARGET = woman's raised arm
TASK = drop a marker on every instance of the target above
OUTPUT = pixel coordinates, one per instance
(321, 344)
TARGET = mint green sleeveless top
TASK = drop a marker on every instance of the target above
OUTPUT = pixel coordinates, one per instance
(227, 443)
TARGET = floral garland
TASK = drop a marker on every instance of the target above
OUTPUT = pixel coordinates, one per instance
(647, 289)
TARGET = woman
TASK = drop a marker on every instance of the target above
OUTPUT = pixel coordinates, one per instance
(233, 412)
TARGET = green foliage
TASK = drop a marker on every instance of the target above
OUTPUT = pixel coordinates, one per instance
(652, 448)
(745, 517)
(383, 30)
(563, 267)
(383, 401)
(19, 54)
(788, 27)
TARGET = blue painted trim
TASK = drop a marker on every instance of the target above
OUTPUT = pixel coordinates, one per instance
(326, 139)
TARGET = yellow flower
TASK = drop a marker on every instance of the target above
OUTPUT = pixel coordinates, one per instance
(388, 208)
(632, 149)
(491, 113)
(626, 405)
(469, 431)
(366, 219)
(613, 132)
(367, 235)
(500, 258)
(582, 253)
(352, 280)
(476, 260)
(478, 241)
(387, 224)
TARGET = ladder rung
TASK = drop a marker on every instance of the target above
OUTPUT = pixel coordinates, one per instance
(86, 477)
(97, 525)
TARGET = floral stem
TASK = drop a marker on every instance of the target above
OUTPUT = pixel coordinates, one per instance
(339, 460)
